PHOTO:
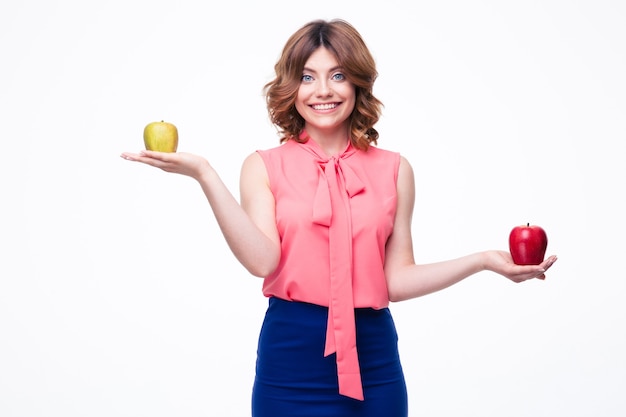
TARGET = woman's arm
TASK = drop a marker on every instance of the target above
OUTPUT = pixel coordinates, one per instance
(249, 228)
(406, 280)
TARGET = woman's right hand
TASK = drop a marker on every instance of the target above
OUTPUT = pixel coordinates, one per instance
(182, 163)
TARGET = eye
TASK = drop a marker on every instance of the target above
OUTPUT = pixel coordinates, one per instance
(338, 76)
(307, 78)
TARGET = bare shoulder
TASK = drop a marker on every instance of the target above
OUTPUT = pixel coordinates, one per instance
(405, 164)
(405, 173)
(253, 160)
(253, 167)
(254, 179)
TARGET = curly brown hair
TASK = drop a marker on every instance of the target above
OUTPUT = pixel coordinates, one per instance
(359, 67)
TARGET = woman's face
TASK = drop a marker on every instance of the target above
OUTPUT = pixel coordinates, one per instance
(325, 98)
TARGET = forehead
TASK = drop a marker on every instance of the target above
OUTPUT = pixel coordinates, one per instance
(321, 59)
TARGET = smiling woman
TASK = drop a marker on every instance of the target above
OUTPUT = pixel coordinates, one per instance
(321, 59)
(325, 220)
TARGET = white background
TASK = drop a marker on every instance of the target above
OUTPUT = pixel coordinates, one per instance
(118, 295)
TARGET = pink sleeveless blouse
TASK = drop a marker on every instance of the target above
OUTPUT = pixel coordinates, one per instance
(334, 216)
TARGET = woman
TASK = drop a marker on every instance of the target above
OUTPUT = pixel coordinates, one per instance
(325, 219)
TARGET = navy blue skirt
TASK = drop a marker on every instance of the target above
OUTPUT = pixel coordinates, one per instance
(294, 379)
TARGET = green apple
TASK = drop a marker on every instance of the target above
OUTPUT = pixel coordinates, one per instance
(160, 136)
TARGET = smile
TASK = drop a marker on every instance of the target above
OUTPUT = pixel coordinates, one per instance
(327, 106)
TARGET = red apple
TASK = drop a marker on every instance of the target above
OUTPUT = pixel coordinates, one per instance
(528, 244)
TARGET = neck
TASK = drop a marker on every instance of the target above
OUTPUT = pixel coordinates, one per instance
(331, 142)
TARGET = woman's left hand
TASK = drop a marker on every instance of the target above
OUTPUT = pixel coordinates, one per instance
(502, 263)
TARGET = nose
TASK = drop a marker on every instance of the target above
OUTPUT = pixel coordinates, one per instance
(323, 88)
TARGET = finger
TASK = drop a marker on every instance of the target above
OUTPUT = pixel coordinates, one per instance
(146, 159)
(549, 262)
(130, 156)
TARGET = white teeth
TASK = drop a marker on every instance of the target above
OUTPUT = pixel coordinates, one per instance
(325, 106)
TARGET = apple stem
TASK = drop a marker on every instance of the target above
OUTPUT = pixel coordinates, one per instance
(527, 224)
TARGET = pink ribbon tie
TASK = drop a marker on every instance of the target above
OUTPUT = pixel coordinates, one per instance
(331, 208)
